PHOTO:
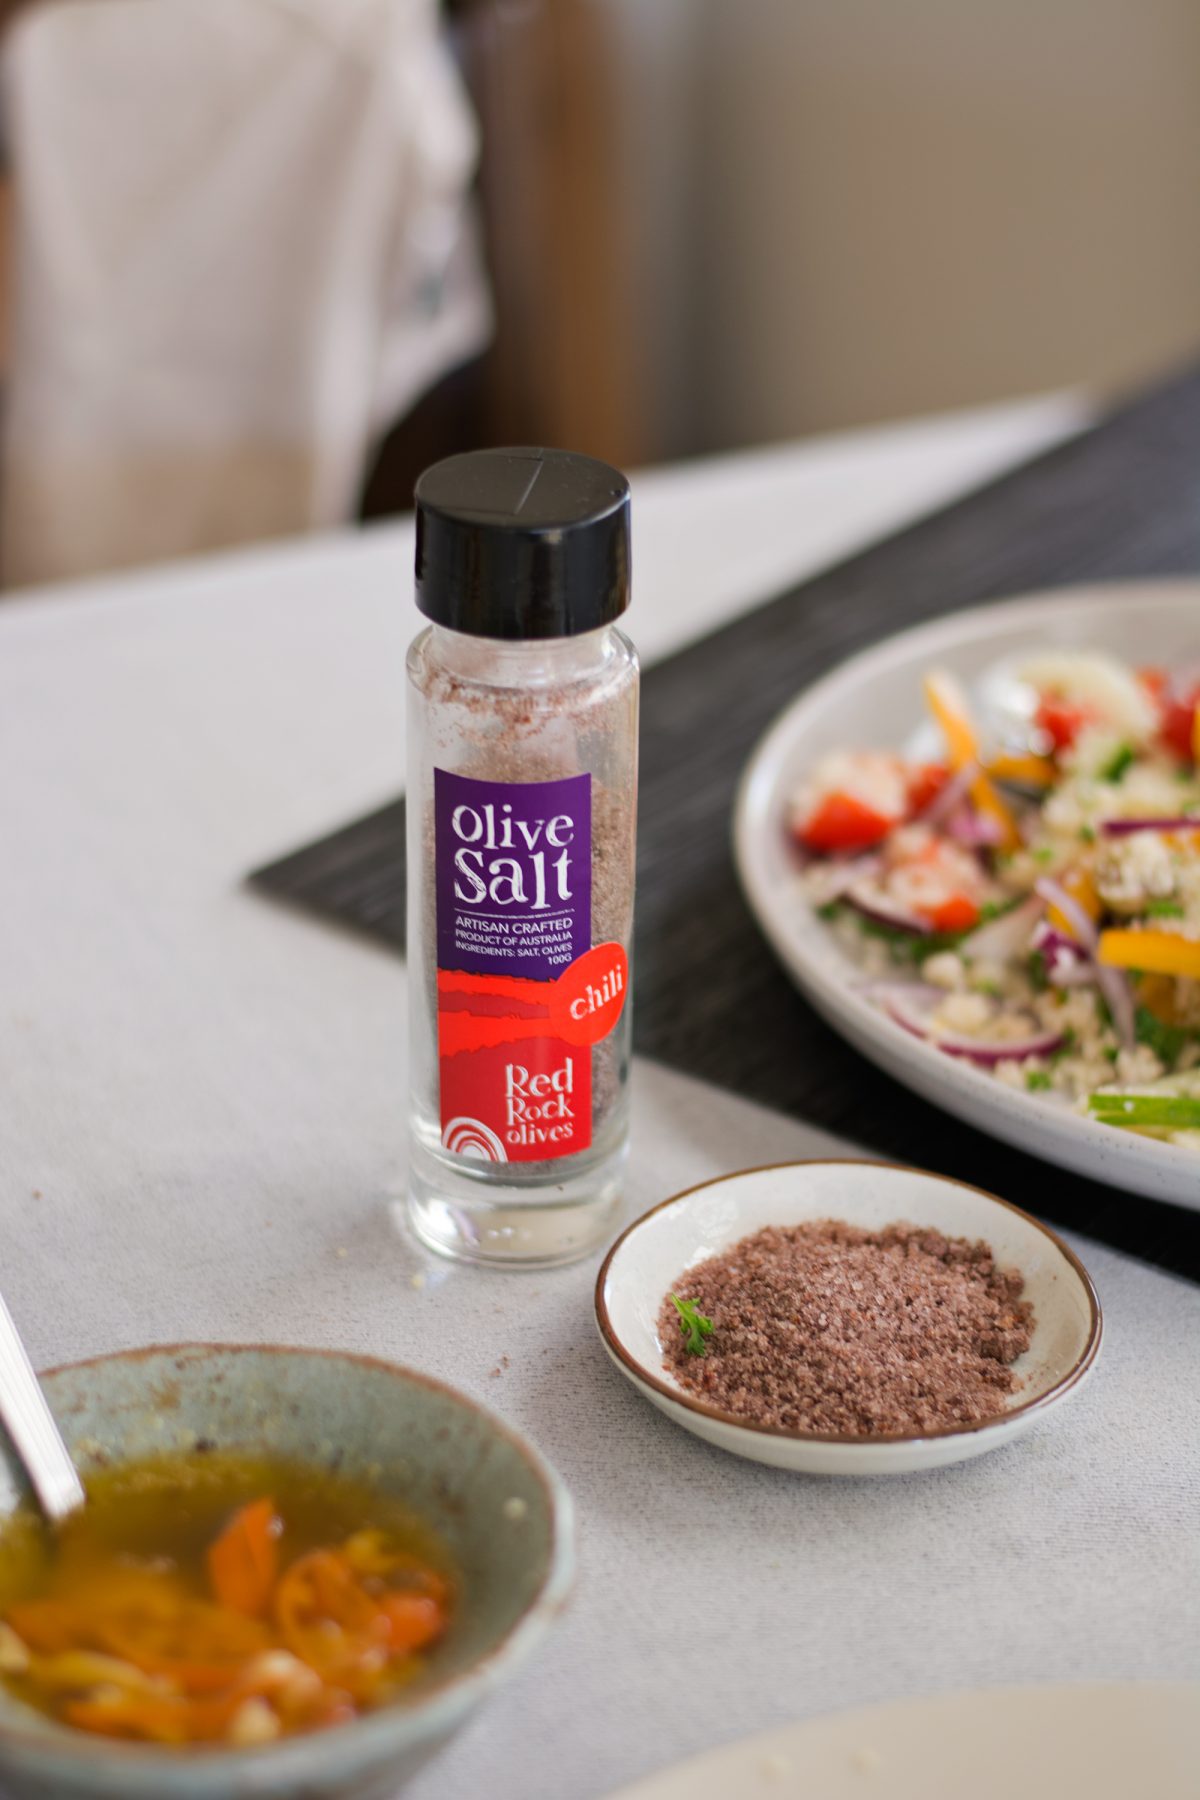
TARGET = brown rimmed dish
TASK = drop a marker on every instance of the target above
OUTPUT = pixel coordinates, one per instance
(702, 1221)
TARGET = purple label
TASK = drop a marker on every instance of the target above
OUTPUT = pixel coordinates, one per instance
(514, 874)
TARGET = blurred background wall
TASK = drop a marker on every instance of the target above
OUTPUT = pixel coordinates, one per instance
(710, 223)
(906, 207)
(778, 217)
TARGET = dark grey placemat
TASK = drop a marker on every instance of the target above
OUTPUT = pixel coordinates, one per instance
(710, 999)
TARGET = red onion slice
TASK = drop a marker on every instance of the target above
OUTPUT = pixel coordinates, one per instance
(830, 881)
(1111, 982)
(1125, 827)
(973, 829)
(1057, 896)
(1006, 936)
(911, 1004)
(950, 797)
(987, 1055)
(874, 904)
(1068, 964)
(1068, 973)
(1114, 985)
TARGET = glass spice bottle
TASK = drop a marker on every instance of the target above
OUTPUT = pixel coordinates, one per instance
(522, 801)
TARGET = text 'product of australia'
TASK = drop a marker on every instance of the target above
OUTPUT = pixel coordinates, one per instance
(516, 967)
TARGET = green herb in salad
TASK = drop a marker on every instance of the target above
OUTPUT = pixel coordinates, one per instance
(693, 1324)
(1088, 833)
(1142, 1112)
(1164, 909)
(1121, 759)
(905, 945)
(1036, 1081)
(925, 947)
(996, 909)
(1037, 971)
(1168, 1042)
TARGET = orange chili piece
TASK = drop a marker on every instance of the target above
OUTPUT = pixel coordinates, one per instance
(244, 1561)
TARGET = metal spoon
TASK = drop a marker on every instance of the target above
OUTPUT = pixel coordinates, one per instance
(35, 1436)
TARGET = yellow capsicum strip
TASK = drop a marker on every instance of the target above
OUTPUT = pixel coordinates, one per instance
(1082, 889)
(1030, 771)
(948, 705)
(1158, 952)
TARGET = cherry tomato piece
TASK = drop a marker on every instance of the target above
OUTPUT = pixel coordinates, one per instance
(842, 823)
(925, 783)
(1179, 724)
(1062, 720)
(958, 913)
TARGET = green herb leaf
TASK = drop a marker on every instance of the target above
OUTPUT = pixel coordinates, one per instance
(1118, 762)
(1164, 909)
(1167, 1041)
(1088, 833)
(1043, 854)
(996, 909)
(925, 947)
(1037, 971)
(1036, 1080)
(907, 946)
(693, 1324)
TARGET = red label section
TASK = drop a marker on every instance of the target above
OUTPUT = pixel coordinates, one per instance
(515, 1056)
(501, 1106)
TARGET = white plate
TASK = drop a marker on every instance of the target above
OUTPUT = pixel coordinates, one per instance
(874, 701)
(647, 1260)
(1100, 1742)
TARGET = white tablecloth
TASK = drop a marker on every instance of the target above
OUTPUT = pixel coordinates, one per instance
(202, 1121)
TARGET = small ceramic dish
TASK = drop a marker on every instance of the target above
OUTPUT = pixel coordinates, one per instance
(652, 1254)
(502, 1512)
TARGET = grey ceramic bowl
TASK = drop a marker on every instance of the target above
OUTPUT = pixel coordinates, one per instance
(504, 1514)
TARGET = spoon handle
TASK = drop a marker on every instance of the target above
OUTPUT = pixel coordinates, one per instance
(31, 1427)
